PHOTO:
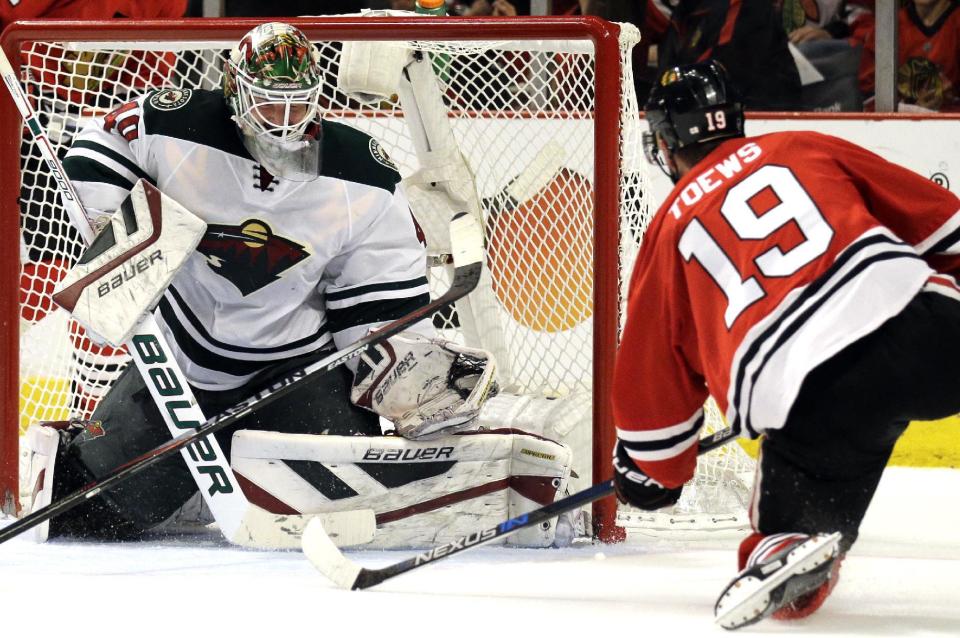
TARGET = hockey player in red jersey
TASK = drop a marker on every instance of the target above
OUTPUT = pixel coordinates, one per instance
(806, 284)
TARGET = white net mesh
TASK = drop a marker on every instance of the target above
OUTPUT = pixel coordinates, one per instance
(523, 115)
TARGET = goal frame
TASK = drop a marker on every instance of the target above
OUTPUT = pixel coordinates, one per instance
(606, 284)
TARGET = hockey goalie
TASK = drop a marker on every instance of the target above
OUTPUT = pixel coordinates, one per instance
(263, 237)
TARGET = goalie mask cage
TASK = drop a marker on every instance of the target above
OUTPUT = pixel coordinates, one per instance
(543, 111)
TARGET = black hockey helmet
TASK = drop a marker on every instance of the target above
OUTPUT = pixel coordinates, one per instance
(691, 104)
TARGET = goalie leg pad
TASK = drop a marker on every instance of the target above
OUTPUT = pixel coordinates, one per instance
(42, 442)
(423, 493)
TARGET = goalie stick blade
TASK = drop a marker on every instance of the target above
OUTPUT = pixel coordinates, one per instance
(320, 549)
(264, 530)
(330, 562)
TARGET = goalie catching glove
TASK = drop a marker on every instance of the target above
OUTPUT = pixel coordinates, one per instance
(425, 386)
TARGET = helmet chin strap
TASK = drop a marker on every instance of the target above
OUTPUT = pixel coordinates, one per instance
(666, 161)
(668, 170)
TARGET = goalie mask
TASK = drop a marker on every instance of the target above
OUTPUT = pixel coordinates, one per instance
(272, 85)
(691, 104)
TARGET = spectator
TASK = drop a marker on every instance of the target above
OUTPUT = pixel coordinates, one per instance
(652, 24)
(258, 8)
(815, 20)
(90, 9)
(928, 73)
(489, 8)
(744, 35)
(827, 38)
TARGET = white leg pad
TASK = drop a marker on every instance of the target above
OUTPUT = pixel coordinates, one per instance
(37, 480)
(423, 492)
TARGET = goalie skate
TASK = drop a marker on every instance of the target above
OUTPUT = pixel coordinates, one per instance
(772, 582)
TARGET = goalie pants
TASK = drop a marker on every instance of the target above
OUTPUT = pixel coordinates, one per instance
(132, 425)
(819, 473)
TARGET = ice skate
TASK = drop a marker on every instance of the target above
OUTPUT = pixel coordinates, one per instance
(781, 569)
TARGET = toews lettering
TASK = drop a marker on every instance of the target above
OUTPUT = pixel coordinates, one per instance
(713, 177)
(128, 272)
(165, 383)
(420, 454)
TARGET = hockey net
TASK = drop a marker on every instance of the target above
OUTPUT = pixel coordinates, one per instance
(545, 114)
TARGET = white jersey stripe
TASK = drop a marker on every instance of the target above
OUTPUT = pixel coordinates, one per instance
(180, 321)
(660, 433)
(107, 162)
(379, 295)
(873, 280)
(950, 228)
(665, 453)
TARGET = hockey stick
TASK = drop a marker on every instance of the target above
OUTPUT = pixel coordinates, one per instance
(331, 562)
(467, 245)
(532, 179)
(240, 521)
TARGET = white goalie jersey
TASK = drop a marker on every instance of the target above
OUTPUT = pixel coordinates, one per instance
(285, 268)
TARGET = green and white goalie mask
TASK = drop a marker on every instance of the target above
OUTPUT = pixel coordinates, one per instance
(272, 85)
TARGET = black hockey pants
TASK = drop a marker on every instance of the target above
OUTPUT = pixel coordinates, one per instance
(132, 425)
(819, 473)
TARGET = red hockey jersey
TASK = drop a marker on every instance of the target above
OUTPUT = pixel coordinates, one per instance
(768, 258)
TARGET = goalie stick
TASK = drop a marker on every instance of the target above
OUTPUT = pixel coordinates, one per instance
(240, 521)
(330, 561)
(467, 244)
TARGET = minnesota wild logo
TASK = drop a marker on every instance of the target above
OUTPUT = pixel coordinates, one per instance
(250, 256)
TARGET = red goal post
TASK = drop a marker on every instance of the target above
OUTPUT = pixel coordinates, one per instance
(540, 83)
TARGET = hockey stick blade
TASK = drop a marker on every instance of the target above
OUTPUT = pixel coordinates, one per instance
(466, 237)
(330, 561)
(264, 530)
(320, 550)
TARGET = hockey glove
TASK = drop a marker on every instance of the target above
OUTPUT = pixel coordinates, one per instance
(425, 386)
(636, 488)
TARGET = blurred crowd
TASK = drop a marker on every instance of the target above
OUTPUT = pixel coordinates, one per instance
(814, 55)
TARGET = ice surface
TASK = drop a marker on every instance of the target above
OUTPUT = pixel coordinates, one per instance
(901, 579)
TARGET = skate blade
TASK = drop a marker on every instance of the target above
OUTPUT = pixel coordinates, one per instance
(747, 600)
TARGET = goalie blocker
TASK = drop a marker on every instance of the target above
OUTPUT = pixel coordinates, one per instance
(131, 262)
